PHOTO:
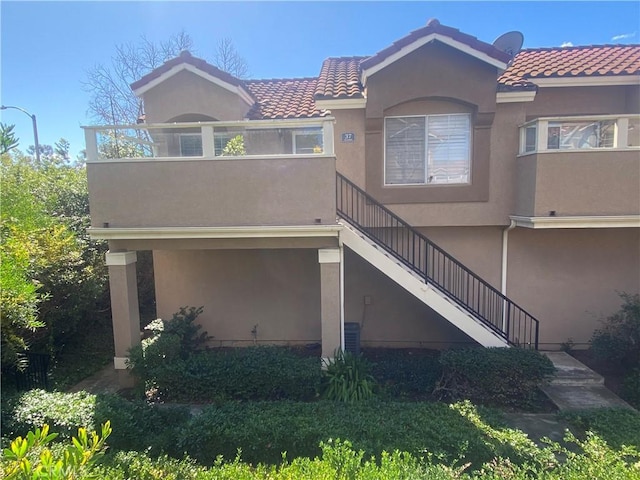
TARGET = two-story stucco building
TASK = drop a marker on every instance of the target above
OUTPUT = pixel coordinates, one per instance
(440, 192)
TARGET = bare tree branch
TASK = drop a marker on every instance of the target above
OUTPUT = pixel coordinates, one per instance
(112, 101)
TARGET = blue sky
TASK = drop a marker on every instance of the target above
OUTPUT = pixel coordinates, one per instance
(47, 47)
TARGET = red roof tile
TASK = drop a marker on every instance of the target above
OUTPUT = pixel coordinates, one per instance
(562, 62)
(283, 98)
(433, 26)
(340, 78)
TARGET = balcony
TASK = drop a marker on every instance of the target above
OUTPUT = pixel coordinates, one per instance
(579, 166)
(212, 174)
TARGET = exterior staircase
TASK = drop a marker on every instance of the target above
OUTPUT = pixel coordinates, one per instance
(429, 273)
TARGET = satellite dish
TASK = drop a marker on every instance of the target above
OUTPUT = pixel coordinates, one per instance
(510, 42)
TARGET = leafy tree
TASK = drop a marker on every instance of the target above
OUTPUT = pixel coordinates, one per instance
(52, 273)
(8, 139)
(113, 103)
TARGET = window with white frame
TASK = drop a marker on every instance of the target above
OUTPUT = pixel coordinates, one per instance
(307, 141)
(190, 145)
(427, 149)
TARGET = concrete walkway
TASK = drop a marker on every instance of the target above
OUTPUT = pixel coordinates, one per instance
(577, 387)
(104, 381)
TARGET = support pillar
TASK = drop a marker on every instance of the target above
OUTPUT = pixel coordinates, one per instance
(331, 309)
(125, 313)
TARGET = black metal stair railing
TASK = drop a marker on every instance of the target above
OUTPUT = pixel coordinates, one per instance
(435, 266)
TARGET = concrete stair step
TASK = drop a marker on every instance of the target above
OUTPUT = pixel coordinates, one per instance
(571, 397)
(572, 372)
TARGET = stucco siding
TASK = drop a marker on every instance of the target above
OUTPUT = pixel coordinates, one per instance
(568, 279)
(277, 290)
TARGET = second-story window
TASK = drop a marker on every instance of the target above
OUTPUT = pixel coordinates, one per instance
(427, 150)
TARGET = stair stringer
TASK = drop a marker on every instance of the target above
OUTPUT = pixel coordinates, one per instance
(412, 283)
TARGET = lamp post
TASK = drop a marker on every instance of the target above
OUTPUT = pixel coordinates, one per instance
(35, 127)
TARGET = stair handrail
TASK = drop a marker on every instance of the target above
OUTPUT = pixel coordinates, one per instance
(511, 315)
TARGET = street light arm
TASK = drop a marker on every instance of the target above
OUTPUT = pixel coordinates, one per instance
(35, 127)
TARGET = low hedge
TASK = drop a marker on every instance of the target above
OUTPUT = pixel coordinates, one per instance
(404, 374)
(252, 373)
(617, 426)
(136, 425)
(262, 430)
(505, 377)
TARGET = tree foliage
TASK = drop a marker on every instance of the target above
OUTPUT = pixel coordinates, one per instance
(52, 274)
(112, 102)
(8, 139)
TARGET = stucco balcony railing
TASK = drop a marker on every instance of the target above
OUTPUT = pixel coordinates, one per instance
(217, 174)
(578, 183)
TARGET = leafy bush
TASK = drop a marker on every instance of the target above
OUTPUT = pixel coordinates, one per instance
(348, 378)
(252, 373)
(507, 377)
(631, 388)
(28, 458)
(263, 430)
(617, 426)
(405, 373)
(618, 341)
(136, 424)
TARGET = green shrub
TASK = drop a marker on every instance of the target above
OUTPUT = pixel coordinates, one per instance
(136, 425)
(617, 426)
(29, 458)
(263, 430)
(506, 377)
(618, 341)
(405, 373)
(631, 388)
(252, 373)
(348, 378)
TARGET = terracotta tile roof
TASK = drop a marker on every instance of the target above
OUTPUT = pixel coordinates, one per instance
(340, 78)
(562, 62)
(434, 26)
(283, 98)
(186, 57)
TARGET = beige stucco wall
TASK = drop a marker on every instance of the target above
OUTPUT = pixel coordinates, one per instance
(350, 158)
(394, 318)
(188, 93)
(558, 101)
(579, 183)
(277, 290)
(568, 278)
(219, 192)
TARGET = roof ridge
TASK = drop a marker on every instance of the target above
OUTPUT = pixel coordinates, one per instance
(579, 47)
(278, 79)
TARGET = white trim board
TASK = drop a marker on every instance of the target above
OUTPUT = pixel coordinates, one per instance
(594, 221)
(513, 97)
(295, 231)
(428, 39)
(341, 103)
(591, 81)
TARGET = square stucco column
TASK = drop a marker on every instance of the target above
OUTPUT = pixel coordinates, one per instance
(125, 313)
(330, 300)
